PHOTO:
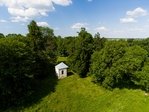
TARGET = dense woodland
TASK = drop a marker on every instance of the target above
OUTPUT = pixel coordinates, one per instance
(27, 60)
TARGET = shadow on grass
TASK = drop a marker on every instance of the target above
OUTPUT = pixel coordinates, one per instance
(128, 85)
(41, 88)
(70, 73)
(121, 85)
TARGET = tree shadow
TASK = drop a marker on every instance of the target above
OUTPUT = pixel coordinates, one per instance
(41, 88)
(128, 85)
(70, 73)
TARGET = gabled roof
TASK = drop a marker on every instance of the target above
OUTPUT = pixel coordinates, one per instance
(61, 66)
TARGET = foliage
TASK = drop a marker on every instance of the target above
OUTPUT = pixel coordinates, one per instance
(13, 35)
(2, 35)
(132, 61)
(15, 71)
(98, 42)
(103, 61)
(22, 61)
(40, 37)
(65, 46)
(36, 37)
(119, 65)
(141, 78)
(80, 59)
(61, 47)
(48, 38)
(144, 43)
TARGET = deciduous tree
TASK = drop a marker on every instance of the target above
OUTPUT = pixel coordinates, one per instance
(80, 60)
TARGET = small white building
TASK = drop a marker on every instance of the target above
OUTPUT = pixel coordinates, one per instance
(61, 70)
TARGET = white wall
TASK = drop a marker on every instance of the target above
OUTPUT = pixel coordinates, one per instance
(59, 73)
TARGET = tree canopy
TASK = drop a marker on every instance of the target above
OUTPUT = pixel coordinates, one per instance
(118, 64)
(80, 59)
(24, 59)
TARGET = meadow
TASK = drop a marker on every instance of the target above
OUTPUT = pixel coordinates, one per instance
(74, 94)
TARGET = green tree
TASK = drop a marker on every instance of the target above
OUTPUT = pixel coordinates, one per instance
(43, 61)
(66, 46)
(36, 36)
(132, 61)
(48, 38)
(13, 35)
(49, 42)
(2, 35)
(141, 78)
(15, 71)
(144, 43)
(98, 42)
(118, 65)
(103, 61)
(80, 59)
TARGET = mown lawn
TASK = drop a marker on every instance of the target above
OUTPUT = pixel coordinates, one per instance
(74, 94)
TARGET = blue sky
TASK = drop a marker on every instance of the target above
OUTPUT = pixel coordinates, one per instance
(111, 18)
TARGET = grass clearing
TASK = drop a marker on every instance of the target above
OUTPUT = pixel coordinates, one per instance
(62, 59)
(74, 94)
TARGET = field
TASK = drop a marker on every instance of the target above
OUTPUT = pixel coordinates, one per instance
(74, 94)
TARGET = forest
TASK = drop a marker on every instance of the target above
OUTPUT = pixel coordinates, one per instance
(25, 61)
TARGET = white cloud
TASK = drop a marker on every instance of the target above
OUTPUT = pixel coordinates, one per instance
(128, 20)
(136, 29)
(44, 24)
(136, 12)
(62, 2)
(30, 12)
(19, 19)
(101, 29)
(79, 25)
(133, 31)
(3, 21)
(131, 16)
(29, 9)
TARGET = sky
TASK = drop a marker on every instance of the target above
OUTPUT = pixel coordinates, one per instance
(111, 18)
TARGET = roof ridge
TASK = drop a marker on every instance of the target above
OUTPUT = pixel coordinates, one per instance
(61, 65)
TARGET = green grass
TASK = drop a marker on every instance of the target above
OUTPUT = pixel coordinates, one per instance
(62, 59)
(74, 94)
